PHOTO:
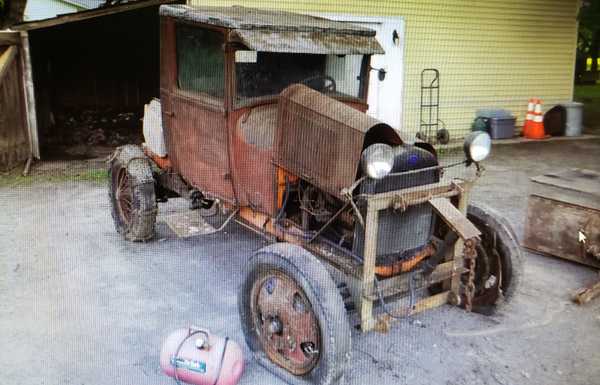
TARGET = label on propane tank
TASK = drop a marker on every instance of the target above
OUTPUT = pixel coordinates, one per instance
(195, 366)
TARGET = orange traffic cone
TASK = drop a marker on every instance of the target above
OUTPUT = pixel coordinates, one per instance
(536, 128)
(529, 116)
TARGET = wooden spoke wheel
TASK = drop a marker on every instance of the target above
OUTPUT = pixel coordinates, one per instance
(124, 197)
(131, 193)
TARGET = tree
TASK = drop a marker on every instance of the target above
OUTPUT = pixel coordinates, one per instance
(588, 43)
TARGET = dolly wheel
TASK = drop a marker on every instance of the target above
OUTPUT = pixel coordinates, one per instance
(499, 264)
(442, 136)
(131, 193)
(293, 317)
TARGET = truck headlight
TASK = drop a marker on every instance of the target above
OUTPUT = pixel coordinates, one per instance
(478, 145)
(377, 160)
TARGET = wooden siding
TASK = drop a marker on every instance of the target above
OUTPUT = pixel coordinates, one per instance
(490, 53)
(14, 142)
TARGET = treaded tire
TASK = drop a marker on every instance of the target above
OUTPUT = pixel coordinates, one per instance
(130, 159)
(489, 221)
(327, 304)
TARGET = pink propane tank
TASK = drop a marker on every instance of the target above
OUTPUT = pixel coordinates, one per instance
(196, 356)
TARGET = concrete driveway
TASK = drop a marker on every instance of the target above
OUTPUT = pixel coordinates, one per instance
(81, 306)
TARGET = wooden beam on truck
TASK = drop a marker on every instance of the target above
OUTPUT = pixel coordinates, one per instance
(384, 321)
(454, 218)
(399, 284)
(367, 322)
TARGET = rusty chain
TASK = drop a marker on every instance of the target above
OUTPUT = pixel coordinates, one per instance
(470, 253)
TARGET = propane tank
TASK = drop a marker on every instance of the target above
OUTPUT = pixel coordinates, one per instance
(196, 356)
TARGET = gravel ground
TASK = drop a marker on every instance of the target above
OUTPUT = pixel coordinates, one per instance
(81, 306)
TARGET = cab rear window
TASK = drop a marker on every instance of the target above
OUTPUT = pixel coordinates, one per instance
(200, 61)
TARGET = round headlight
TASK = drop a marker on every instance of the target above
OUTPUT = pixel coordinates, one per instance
(377, 160)
(478, 145)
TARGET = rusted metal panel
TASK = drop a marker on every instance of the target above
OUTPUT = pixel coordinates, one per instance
(554, 227)
(320, 139)
(196, 138)
(252, 145)
(14, 141)
(195, 128)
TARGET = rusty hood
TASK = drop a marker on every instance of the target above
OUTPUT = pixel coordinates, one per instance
(321, 139)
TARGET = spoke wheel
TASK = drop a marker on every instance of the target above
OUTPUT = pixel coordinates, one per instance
(286, 324)
(124, 196)
(131, 193)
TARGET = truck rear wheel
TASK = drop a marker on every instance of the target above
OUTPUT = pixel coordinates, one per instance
(131, 193)
(293, 316)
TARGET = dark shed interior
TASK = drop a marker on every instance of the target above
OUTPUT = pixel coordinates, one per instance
(92, 78)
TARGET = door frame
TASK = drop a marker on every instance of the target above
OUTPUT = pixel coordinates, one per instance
(400, 20)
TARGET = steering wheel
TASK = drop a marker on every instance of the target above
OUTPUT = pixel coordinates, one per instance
(320, 83)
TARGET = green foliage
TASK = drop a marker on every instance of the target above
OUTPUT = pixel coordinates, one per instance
(587, 92)
(589, 28)
(15, 179)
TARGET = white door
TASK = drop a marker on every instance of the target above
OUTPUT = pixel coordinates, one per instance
(385, 96)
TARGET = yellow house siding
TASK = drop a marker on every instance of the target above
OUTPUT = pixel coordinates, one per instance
(492, 53)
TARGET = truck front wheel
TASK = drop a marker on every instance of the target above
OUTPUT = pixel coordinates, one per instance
(499, 264)
(131, 193)
(293, 317)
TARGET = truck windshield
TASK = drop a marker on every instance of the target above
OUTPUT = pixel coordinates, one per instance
(262, 74)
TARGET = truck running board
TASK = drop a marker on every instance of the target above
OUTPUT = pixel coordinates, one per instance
(191, 223)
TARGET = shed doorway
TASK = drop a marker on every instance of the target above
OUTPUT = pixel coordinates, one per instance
(92, 78)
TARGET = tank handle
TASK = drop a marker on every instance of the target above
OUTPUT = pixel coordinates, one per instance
(198, 330)
(191, 332)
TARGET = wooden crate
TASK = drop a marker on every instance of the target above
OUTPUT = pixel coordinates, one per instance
(563, 215)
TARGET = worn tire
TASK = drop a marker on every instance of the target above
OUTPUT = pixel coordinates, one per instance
(326, 302)
(138, 225)
(490, 222)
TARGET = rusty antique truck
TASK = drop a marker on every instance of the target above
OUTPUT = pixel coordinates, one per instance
(264, 116)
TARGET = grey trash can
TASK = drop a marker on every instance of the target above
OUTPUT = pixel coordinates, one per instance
(574, 125)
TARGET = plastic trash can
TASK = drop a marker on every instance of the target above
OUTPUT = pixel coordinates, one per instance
(574, 125)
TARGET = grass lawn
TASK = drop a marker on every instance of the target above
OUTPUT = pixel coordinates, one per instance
(15, 179)
(590, 96)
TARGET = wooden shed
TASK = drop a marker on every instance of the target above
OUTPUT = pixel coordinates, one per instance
(14, 138)
(55, 70)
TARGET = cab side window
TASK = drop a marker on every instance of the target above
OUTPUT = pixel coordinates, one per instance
(200, 61)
